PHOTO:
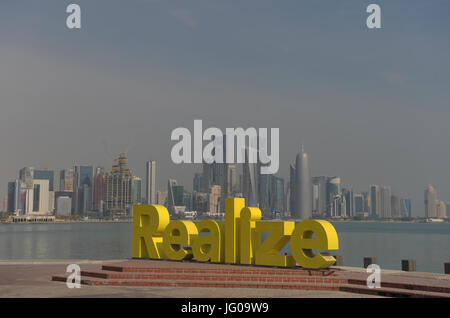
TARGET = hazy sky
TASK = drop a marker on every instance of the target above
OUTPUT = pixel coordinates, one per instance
(371, 106)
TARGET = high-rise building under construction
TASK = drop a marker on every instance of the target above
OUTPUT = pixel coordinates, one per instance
(118, 189)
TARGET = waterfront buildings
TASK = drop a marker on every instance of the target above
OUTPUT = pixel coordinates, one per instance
(91, 190)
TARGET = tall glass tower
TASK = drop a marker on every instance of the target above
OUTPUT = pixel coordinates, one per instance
(150, 181)
(303, 187)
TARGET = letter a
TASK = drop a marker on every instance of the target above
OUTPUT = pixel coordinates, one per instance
(374, 20)
(374, 280)
(74, 19)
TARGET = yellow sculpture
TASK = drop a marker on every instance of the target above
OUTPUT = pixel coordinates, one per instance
(238, 241)
(209, 247)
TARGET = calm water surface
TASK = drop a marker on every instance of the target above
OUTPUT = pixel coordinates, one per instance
(427, 243)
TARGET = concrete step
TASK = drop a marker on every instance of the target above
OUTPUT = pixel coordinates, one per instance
(213, 277)
(238, 270)
(410, 285)
(196, 283)
(392, 292)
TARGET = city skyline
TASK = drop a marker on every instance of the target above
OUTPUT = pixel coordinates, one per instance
(379, 201)
(369, 106)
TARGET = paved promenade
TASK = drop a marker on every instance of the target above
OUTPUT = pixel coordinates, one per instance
(34, 279)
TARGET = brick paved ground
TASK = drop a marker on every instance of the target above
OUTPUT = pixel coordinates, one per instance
(33, 279)
(150, 278)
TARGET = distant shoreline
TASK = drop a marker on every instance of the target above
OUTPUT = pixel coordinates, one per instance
(69, 222)
(196, 220)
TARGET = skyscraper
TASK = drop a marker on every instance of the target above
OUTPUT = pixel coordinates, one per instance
(347, 193)
(161, 198)
(66, 180)
(430, 202)
(385, 198)
(291, 189)
(45, 174)
(13, 195)
(338, 206)
(277, 197)
(264, 194)
(303, 187)
(395, 206)
(218, 173)
(251, 182)
(405, 207)
(26, 174)
(137, 190)
(118, 189)
(99, 185)
(37, 200)
(200, 202)
(441, 210)
(375, 201)
(207, 177)
(63, 205)
(231, 179)
(150, 182)
(82, 188)
(214, 199)
(359, 203)
(334, 192)
(175, 195)
(197, 182)
(320, 195)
